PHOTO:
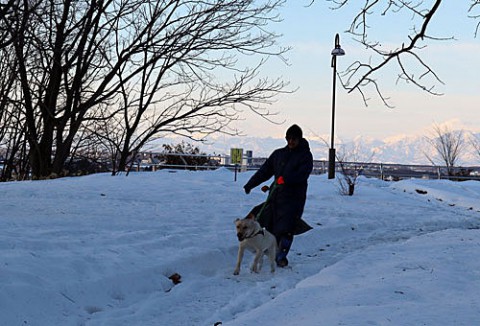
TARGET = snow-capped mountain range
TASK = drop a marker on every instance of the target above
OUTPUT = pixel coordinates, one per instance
(398, 150)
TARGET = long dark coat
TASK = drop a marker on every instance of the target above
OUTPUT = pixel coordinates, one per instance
(287, 201)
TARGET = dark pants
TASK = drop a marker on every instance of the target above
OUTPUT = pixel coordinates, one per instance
(284, 243)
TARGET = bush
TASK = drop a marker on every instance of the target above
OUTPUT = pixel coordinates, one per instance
(178, 155)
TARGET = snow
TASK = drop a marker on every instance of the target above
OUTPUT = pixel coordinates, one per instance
(99, 250)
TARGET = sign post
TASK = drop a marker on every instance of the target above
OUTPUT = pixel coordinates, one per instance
(236, 157)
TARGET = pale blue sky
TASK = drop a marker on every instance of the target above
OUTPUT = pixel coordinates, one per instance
(311, 31)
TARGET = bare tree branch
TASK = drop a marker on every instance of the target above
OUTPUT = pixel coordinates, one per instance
(475, 4)
(361, 75)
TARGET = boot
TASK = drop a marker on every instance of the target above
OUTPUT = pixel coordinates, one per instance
(284, 244)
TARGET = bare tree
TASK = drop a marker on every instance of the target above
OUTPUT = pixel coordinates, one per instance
(475, 142)
(349, 158)
(12, 121)
(168, 66)
(181, 94)
(448, 145)
(406, 56)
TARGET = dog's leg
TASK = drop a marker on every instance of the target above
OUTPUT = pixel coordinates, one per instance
(260, 261)
(258, 256)
(272, 252)
(241, 250)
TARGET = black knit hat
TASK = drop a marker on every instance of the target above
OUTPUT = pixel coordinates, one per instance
(294, 132)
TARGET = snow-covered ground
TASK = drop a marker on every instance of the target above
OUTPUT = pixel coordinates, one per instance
(99, 250)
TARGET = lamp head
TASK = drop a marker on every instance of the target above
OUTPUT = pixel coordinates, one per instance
(337, 51)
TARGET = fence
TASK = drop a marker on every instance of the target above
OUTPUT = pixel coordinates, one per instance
(384, 171)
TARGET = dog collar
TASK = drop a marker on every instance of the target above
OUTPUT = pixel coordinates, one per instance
(255, 234)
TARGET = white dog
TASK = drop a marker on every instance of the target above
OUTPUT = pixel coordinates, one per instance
(258, 240)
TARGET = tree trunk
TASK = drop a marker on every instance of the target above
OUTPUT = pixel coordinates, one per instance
(39, 162)
(351, 189)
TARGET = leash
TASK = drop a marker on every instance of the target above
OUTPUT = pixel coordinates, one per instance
(272, 190)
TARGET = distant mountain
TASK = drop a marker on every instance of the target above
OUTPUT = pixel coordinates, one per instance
(399, 150)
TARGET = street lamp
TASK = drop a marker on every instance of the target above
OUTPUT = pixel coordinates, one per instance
(337, 51)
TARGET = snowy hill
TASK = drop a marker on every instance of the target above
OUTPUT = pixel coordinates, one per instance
(99, 250)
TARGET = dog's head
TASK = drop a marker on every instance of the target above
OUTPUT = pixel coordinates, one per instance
(246, 227)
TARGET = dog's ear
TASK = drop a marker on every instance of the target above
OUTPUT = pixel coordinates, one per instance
(250, 216)
(236, 220)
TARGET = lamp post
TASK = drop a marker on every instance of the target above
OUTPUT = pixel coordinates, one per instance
(337, 51)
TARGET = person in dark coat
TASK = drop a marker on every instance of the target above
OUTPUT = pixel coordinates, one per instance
(291, 166)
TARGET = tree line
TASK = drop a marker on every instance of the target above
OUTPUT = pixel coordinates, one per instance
(102, 78)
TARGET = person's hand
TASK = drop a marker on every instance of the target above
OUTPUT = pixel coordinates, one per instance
(280, 180)
(265, 188)
(247, 190)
